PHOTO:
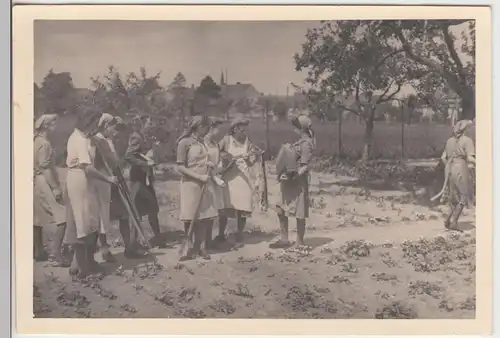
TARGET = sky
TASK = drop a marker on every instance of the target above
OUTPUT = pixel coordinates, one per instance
(260, 53)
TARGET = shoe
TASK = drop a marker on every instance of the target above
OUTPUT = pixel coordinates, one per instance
(59, 262)
(42, 257)
(280, 245)
(205, 255)
(134, 254)
(108, 257)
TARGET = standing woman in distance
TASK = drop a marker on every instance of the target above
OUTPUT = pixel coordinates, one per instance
(236, 148)
(194, 166)
(47, 194)
(295, 190)
(81, 195)
(459, 154)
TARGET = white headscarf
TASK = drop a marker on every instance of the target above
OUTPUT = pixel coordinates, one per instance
(105, 120)
(43, 121)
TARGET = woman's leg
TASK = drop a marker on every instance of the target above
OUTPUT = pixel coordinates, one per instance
(203, 229)
(91, 249)
(80, 266)
(57, 255)
(155, 226)
(301, 230)
(221, 236)
(105, 253)
(40, 254)
(283, 241)
(208, 235)
(241, 222)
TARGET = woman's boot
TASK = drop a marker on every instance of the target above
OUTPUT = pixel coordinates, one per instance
(221, 236)
(57, 256)
(208, 235)
(241, 223)
(283, 241)
(457, 211)
(39, 252)
(155, 226)
(91, 249)
(131, 250)
(202, 233)
(80, 267)
(301, 230)
(105, 253)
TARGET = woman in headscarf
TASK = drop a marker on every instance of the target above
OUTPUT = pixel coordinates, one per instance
(295, 190)
(239, 151)
(110, 202)
(47, 193)
(83, 216)
(459, 153)
(215, 163)
(194, 165)
(142, 179)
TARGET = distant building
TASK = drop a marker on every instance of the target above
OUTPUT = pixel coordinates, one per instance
(239, 91)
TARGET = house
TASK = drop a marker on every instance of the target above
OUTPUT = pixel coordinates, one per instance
(240, 91)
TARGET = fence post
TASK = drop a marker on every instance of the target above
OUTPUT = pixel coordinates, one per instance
(402, 130)
(339, 151)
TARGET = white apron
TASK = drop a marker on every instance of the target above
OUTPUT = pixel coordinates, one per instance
(238, 193)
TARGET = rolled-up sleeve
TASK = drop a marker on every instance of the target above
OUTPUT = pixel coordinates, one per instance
(306, 150)
(182, 150)
(44, 156)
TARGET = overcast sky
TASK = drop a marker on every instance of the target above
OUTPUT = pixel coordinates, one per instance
(260, 53)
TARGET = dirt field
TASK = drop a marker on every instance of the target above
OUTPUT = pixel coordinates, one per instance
(373, 254)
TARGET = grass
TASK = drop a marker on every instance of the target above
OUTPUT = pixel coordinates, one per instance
(420, 141)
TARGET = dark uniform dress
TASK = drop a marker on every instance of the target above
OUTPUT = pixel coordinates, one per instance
(141, 176)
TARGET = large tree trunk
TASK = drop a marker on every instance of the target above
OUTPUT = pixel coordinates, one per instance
(468, 106)
(368, 137)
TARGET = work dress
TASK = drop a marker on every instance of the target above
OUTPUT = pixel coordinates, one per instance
(295, 192)
(46, 210)
(240, 179)
(456, 153)
(214, 157)
(110, 204)
(193, 154)
(141, 176)
(82, 207)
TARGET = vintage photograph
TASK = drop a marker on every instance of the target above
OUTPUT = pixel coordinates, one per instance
(254, 169)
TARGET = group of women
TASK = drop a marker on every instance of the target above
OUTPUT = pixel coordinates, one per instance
(217, 183)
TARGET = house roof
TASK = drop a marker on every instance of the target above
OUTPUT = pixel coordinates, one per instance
(239, 91)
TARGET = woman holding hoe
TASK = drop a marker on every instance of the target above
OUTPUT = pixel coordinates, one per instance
(196, 192)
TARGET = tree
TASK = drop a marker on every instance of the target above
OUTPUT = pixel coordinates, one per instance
(206, 97)
(58, 89)
(347, 62)
(133, 95)
(180, 100)
(432, 44)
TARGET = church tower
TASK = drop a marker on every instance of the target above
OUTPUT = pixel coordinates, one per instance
(222, 78)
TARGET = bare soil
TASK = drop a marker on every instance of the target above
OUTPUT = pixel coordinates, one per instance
(370, 254)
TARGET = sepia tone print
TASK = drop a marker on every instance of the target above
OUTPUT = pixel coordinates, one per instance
(265, 169)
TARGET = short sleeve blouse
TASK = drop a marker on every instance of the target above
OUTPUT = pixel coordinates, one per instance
(80, 150)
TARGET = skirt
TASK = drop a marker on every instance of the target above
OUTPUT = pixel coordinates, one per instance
(238, 193)
(46, 210)
(103, 192)
(144, 197)
(82, 209)
(460, 184)
(117, 209)
(295, 197)
(190, 192)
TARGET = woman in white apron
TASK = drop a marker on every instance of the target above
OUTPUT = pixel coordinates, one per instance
(238, 193)
(47, 194)
(83, 217)
(193, 164)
